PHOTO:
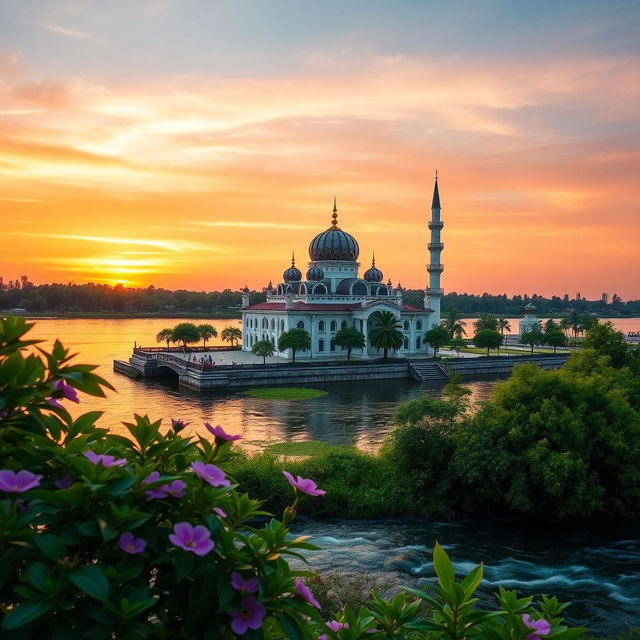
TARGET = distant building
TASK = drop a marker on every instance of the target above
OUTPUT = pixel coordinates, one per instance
(578, 296)
(605, 298)
(529, 322)
(333, 296)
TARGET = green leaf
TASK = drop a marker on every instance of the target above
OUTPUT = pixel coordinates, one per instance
(471, 582)
(91, 579)
(50, 545)
(24, 614)
(37, 573)
(443, 566)
(290, 626)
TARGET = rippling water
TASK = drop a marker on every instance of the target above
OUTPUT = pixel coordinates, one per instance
(597, 570)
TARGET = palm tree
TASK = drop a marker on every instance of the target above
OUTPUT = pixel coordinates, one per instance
(486, 322)
(207, 332)
(350, 338)
(232, 335)
(386, 334)
(453, 324)
(503, 325)
(565, 325)
(164, 336)
(296, 340)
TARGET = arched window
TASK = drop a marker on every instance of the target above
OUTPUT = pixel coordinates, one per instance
(321, 345)
(281, 325)
(418, 343)
(321, 325)
(406, 325)
(265, 323)
(343, 324)
(418, 326)
(406, 343)
(359, 289)
(300, 324)
(273, 324)
(333, 327)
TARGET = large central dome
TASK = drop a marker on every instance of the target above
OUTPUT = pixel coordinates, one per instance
(334, 243)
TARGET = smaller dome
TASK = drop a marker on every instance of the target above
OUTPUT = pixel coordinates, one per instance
(292, 274)
(372, 274)
(530, 307)
(315, 274)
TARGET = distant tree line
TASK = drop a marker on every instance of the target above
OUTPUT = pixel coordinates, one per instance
(96, 298)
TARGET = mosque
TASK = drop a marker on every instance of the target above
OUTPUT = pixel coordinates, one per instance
(333, 296)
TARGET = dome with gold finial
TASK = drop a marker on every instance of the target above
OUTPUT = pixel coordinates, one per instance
(292, 274)
(373, 274)
(334, 243)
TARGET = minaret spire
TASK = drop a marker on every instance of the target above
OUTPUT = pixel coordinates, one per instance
(334, 220)
(435, 267)
(293, 259)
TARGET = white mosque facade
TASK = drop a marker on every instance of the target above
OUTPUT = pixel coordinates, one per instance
(333, 296)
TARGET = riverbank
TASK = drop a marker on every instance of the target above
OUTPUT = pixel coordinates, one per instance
(115, 315)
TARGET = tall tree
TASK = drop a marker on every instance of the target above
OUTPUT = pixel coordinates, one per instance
(166, 335)
(207, 332)
(606, 340)
(349, 338)
(488, 338)
(185, 332)
(533, 338)
(232, 335)
(555, 338)
(263, 348)
(437, 337)
(296, 340)
(386, 334)
(453, 324)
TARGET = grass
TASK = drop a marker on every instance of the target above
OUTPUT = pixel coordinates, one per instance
(285, 393)
(503, 350)
(306, 448)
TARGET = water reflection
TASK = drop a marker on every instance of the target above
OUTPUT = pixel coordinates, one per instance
(356, 412)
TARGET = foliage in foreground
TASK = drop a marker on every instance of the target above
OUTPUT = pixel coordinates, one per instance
(105, 536)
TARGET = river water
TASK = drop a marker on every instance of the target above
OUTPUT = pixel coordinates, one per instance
(597, 569)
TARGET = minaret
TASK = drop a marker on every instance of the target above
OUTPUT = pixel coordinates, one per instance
(435, 267)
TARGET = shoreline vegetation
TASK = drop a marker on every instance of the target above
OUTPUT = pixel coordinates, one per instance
(101, 300)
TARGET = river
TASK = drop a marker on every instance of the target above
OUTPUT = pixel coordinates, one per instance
(597, 569)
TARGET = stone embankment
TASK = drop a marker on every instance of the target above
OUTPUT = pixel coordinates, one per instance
(241, 376)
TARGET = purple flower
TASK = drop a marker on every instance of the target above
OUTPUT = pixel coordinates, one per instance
(131, 544)
(64, 482)
(67, 391)
(195, 539)
(158, 492)
(221, 512)
(220, 434)
(250, 585)
(19, 482)
(335, 626)
(106, 461)
(303, 485)
(177, 488)
(541, 627)
(178, 425)
(249, 617)
(210, 473)
(305, 593)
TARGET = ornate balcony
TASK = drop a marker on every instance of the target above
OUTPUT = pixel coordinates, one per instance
(435, 291)
(435, 246)
(436, 225)
(434, 268)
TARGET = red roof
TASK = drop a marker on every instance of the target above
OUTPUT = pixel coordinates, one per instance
(304, 306)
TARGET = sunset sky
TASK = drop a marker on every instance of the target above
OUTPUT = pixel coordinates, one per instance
(196, 143)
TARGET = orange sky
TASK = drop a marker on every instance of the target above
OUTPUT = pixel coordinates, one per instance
(185, 178)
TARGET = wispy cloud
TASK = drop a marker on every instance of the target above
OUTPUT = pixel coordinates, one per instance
(71, 33)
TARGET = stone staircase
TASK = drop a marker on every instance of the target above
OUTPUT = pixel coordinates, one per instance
(427, 370)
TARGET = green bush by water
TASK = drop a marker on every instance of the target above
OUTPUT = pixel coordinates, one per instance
(284, 393)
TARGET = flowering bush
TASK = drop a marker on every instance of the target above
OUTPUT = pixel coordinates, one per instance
(145, 536)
